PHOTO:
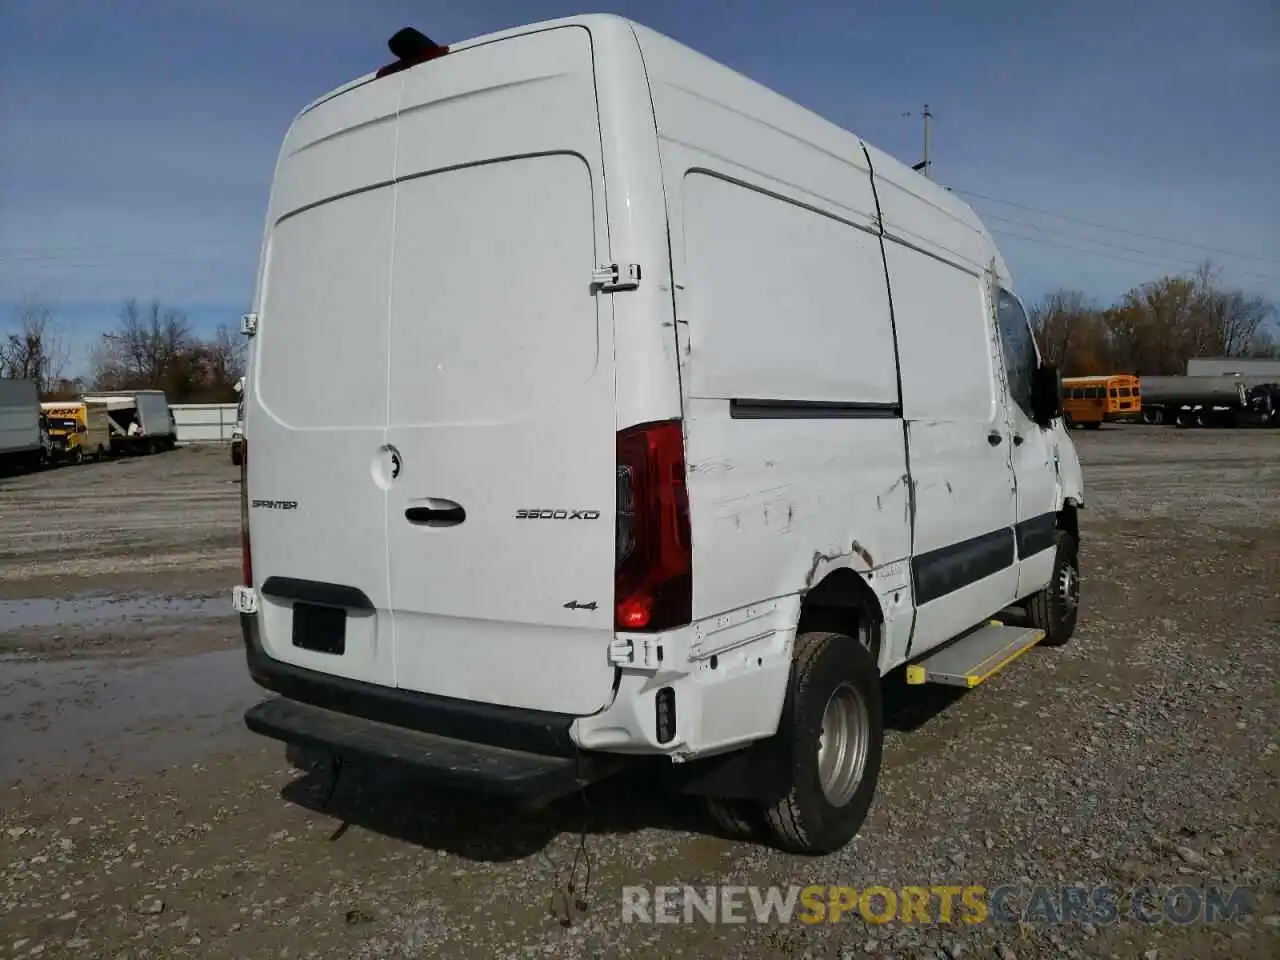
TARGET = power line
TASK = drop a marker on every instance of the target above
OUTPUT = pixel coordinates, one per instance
(1165, 258)
(185, 252)
(56, 248)
(1107, 226)
(1097, 253)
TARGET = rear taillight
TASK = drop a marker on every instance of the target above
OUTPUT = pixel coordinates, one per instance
(654, 580)
(246, 558)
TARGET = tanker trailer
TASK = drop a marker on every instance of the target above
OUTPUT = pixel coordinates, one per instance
(1197, 401)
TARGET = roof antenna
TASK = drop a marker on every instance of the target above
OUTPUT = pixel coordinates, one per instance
(410, 44)
(410, 48)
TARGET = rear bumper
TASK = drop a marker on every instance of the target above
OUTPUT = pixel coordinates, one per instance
(506, 751)
(451, 763)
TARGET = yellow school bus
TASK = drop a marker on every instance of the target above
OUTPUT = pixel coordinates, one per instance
(78, 430)
(1091, 401)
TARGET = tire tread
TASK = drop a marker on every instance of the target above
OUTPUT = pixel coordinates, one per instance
(785, 818)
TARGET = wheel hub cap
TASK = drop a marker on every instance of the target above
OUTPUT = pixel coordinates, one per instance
(1069, 588)
(842, 744)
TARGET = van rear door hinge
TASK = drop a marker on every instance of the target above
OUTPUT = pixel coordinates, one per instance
(611, 278)
(249, 324)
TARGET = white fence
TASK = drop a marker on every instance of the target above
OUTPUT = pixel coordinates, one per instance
(204, 422)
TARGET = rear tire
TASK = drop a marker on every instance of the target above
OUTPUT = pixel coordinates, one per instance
(1093, 425)
(836, 727)
(1056, 608)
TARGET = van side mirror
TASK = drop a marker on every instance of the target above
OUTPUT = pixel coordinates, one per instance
(1046, 395)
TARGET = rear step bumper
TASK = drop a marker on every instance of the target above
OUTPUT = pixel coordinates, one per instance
(506, 751)
(450, 763)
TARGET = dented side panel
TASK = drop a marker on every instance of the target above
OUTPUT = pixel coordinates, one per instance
(778, 504)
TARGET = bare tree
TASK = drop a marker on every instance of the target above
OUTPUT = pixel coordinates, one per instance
(35, 351)
(1229, 323)
(152, 348)
(224, 356)
(1155, 327)
(1065, 325)
(1158, 327)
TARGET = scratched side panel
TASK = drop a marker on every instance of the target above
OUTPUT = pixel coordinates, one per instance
(780, 294)
(776, 503)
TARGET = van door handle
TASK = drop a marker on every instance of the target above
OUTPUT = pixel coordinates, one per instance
(436, 513)
(1017, 439)
(994, 438)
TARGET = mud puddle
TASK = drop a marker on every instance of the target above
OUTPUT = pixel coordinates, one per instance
(98, 716)
(103, 609)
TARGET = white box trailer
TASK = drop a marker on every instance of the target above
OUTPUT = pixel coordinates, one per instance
(154, 430)
(20, 440)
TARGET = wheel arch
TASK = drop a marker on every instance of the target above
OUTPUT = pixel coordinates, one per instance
(1069, 518)
(843, 601)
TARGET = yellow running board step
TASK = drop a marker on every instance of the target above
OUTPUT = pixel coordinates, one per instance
(976, 656)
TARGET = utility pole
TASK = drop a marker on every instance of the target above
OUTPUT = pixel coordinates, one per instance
(923, 165)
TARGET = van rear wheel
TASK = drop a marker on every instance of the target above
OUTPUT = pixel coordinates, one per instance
(835, 723)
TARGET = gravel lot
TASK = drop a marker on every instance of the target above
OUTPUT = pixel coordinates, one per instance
(139, 819)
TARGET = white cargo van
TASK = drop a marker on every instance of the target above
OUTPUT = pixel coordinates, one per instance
(603, 404)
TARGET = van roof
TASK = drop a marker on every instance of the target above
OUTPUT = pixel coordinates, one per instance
(887, 167)
(585, 20)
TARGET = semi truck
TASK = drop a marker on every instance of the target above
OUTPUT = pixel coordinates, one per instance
(78, 429)
(140, 420)
(23, 444)
(1210, 401)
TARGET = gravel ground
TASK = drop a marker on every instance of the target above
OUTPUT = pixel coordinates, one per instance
(139, 819)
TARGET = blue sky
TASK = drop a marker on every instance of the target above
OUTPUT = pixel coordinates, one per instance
(137, 139)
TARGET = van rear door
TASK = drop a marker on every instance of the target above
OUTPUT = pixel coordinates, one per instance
(316, 412)
(500, 525)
